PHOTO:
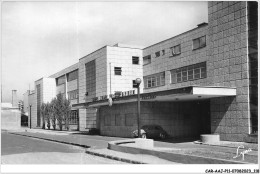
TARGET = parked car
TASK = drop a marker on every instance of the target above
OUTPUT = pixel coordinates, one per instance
(151, 131)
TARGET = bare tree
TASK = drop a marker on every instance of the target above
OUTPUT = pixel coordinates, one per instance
(43, 113)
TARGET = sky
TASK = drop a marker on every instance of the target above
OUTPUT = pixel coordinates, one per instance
(42, 38)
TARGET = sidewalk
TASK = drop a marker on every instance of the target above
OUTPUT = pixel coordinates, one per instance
(97, 145)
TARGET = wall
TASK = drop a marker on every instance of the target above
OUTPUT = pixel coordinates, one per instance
(10, 119)
(32, 102)
(178, 119)
(167, 62)
(122, 57)
(228, 66)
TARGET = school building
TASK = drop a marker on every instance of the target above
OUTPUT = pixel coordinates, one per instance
(203, 81)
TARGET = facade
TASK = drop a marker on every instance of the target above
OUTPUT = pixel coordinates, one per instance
(203, 81)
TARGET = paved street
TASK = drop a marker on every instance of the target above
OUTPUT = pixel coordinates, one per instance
(23, 150)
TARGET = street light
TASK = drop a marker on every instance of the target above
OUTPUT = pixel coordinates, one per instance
(138, 82)
(30, 116)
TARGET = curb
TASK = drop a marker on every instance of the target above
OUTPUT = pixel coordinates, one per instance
(198, 142)
(114, 157)
(88, 152)
(174, 157)
(47, 139)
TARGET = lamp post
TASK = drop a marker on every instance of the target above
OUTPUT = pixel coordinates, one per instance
(138, 82)
(30, 116)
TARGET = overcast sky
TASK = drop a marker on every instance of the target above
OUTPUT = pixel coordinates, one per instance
(42, 38)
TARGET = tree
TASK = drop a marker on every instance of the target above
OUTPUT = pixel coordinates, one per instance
(43, 113)
(62, 110)
(52, 113)
(48, 114)
(67, 112)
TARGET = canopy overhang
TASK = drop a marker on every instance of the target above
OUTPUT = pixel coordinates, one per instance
(174, 95)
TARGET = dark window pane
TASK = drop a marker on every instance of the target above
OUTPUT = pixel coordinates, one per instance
(135, 60)
(147, 59)
(157, 54)
(196, 43)
(203, 41)
(117, 70)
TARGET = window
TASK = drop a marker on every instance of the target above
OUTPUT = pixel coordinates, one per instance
(135, 60)
(147, 59)
(188, 73)
(73, 94)
(154, 80)
(60, 80)
(163, 52)
(135, 84)
(73, 75)
(118, 70)
(74, 117)
(176, 50)
(199, 42)
(157, 54)
(129, 119)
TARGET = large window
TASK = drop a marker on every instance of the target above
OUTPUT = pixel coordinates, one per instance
(73, 94)
(135, 60)
(188, 73)
(176, 50)
(199, 42)
(154, 80)
(73, 75)
(147, 59)
(74, 117)
(60, 80)
(118, 70)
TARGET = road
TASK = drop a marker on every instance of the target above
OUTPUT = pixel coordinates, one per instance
(17, 149)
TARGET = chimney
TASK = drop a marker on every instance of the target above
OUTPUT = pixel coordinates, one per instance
(14, 99)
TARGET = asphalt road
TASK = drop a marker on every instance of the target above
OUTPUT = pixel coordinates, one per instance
(17, 149)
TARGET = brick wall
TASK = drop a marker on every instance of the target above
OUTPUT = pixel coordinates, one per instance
(167, 62)
(228, 66)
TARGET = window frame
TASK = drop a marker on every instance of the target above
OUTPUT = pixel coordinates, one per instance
(173, 50)
(178, 75)
(138, 61)
(74, 117)
(149, 58)
(76, 95)
(154, 80)
(61, 77)
(157, 54)
(200, 42)
(118, 70)
(74, 77)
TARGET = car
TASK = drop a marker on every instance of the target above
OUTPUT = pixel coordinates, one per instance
(151, 131)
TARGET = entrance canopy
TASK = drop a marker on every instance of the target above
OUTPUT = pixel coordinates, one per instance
(180, 94)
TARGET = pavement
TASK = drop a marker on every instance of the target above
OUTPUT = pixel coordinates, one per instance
(97, 145)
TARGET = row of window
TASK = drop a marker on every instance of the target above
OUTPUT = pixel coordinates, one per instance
(74, 117)
(73, 95)
(183, 74)
(117, 120)
(154, 80)
(70, 76)
(176, 50)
